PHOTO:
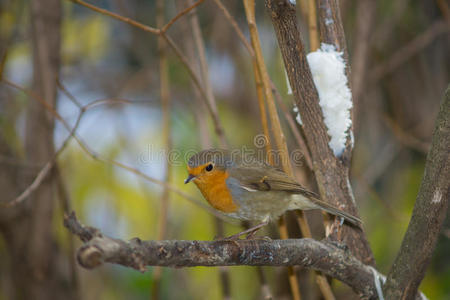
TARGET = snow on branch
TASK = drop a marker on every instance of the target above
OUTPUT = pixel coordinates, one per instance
(335, 98)
(328, 70)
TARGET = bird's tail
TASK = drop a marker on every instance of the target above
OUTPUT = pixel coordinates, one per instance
(305, 203)
(337, 212)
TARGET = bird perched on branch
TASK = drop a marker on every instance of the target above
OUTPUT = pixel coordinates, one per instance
(244, 188)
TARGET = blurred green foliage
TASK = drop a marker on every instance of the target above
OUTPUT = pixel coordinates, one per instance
(102, 58)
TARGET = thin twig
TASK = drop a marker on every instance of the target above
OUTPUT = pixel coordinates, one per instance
(46, 169)
(165, 107)
(118, 17)
(224, 272)
(278, 134)
(179, 15)
(217, 124)
(98, 157)
(262, 109)
(92, 104)
(280, 141)
(365, 21)
(258, 82)
(235, 26)
(443, 6)
(404, 137)
(66, 209)
(49, 108)
(295, 131)
(312, 26)
(204, 72)
(216, 121)
(408, 51)
(109, 101)
(69, 95)
(265, 288)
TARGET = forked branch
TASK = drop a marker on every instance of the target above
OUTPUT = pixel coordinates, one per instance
(330, 258)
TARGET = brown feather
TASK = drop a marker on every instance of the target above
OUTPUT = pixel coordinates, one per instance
(267, 178)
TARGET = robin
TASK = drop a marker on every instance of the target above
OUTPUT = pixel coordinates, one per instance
(244, 188)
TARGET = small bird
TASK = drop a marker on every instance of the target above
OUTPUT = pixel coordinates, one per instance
(241, 187)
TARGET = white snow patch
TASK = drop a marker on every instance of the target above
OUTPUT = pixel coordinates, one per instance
(292, 2)
(297, 118)
(352, 139)
(437, 197)
(289, 89)
(328, 70)
(289, 92)
(328, 21)
(379, 280)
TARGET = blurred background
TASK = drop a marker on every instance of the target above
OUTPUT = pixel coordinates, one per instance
(110, 72)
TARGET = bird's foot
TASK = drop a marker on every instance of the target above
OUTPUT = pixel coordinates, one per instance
(249, 233)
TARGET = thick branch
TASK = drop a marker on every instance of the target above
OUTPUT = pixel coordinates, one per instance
(429, 213)
(330, 25)
(331, 172)
(325, 256)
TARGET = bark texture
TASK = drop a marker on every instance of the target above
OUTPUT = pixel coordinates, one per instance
(365, 21)
(331, 172)
(331, 258)
(38, 268)
(429, 212)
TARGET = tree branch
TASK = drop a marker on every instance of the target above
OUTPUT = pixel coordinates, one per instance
(328, 257)
(330, 171)
(428, 215)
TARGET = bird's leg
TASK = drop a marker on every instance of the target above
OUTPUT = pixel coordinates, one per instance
(340, 221)
(249, 232)
(252, 233)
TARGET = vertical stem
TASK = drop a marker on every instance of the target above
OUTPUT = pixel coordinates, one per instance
(204, 72)
(304, 8)
(295, 131)
(279, 137)
(264, 285)
(312, 26)
(41, 253)
(278, 134)
(165, 107)
(64, 198)
(224, 273)
(365, 21)
(331, 172)
(262, 107)
(321, 280)
(280, 140)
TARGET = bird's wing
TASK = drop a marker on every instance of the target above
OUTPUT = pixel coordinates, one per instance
(268, 178)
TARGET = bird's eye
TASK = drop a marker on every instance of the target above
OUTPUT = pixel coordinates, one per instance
(209, 167)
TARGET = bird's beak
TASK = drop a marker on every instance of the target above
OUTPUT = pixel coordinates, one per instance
(189, 178)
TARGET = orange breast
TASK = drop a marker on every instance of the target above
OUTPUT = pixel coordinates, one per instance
(216, 192)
